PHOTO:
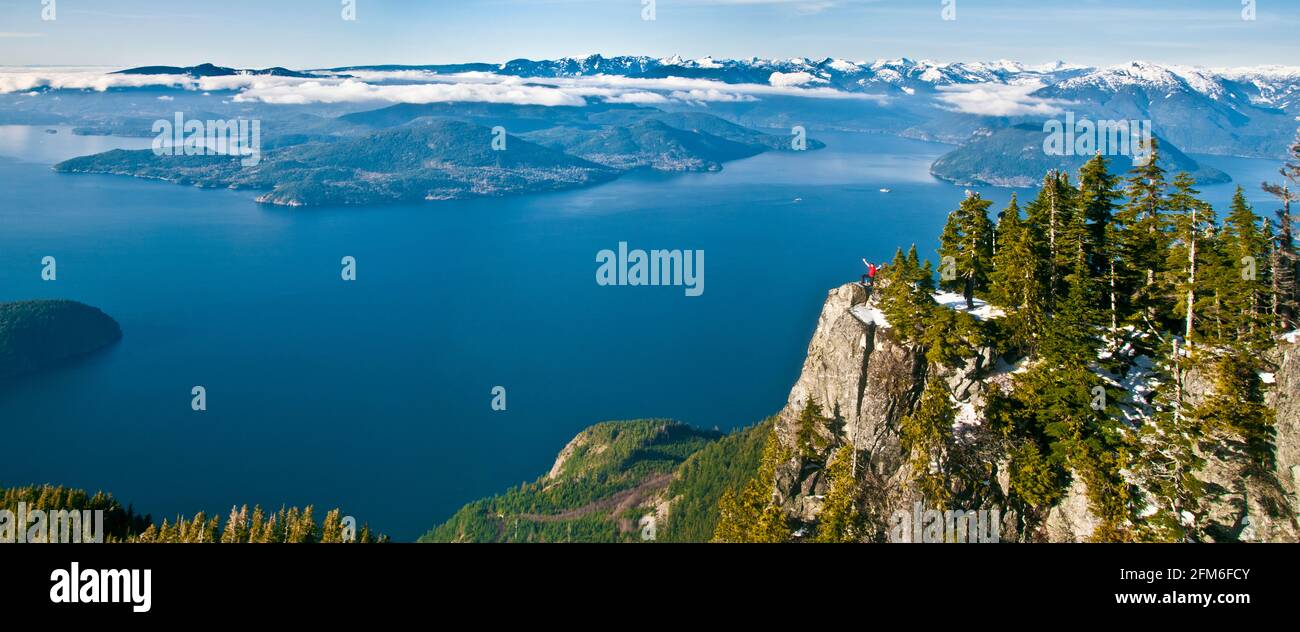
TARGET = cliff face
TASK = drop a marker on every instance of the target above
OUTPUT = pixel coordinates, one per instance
(862, 380)
(866, 381)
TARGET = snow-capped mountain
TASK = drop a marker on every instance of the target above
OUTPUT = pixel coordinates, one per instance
(1238, 111)
(1273, 86)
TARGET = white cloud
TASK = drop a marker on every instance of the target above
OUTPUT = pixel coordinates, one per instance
(24, 79)
(353, 91)
(785, 79)
(995, 99)
(417, 86)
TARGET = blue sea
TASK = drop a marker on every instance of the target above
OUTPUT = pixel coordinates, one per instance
(376, 395)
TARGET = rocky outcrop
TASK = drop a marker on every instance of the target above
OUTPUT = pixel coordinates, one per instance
(866, 381)
(1286, 403)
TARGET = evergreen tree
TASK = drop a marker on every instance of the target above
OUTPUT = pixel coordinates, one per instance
(1190, 252)
(1285, 280)
(1017, 280)
(1049, 218)
(809, 441)
(966, 248)
(905, 296)
(1245, 250)
(1142, 237)
(1098, 199)
(926, 436)
(839, 520)
(750, 514)
(1168, 460)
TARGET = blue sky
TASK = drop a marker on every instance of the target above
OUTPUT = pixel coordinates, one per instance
(312, 33)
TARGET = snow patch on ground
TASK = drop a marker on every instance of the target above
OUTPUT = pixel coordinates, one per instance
(967, 416)
(870, 314)
(955, 301)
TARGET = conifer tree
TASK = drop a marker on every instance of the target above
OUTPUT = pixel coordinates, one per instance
(1098, 198)
(1245, 246)
(926, 436)
(1192, 223)
(905, 296)
(1142, 238)
(966, 248)
(1049, 218)
(1168, 460)
(750, 514)
(839, 520)
(809, 441)
(1016, 282)
(1285, 280)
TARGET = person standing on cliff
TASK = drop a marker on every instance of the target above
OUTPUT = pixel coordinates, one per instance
(869, 279)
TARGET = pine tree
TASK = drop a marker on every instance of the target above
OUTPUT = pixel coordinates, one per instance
(750, 514)
(926, 436)
(1285, 286)
(1098, 196)
(1237, 407)
(1245, 248)
(1142, 237)
(1048, 217)
(966, 248)
(1168, 460)
(809, 441)
(1192, 222)
(1016, 283)
(839, 520)
(905, 296)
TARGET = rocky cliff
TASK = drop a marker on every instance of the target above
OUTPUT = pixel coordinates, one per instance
(866, 382)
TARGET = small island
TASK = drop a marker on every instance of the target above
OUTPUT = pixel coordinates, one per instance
(37, 335)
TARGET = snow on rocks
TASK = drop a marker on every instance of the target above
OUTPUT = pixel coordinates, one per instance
(870, 314)
(955, 301)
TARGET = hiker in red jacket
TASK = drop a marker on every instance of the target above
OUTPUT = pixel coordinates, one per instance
(869, 278)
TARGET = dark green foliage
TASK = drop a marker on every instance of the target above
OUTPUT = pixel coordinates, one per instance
(450, 155)
(748, 514)
(603, 461)
(840, 520)
(700, 481)
(809, 440)
(36, 335)
(1014, 156)
(926, 436)
(288, 525)
(966, 248)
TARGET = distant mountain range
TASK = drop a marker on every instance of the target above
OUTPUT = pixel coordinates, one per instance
(1261, 86)
(1233, 111)
(989, 109)
(210, 70)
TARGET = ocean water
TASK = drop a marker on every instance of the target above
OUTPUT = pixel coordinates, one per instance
(375, 395)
